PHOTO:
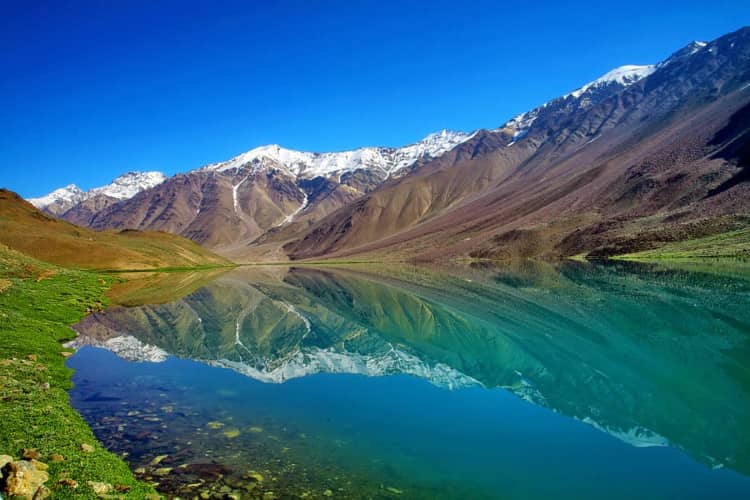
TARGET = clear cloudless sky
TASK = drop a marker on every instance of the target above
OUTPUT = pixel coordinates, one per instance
(91, 89)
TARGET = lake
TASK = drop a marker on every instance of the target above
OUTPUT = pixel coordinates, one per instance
(531, 380)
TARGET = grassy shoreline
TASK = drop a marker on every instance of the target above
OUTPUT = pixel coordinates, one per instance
(38, 303)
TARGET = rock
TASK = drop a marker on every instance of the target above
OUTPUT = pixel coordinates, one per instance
(70, 483)
(255, 476)
(214, 425)
(209, 472)
(162, 471)
(140, 470)
(100, 489)
(45, 386)
(32, 357)
(328, 493)
(256, 429)
(4, 459)
(66, 354)
(231, 433)
(269, 495)
(157, 460)
(56, 457)
(39, 465)
(42, 493)
(122, 488)
(30, 454)
(22, 479)
(87, 448)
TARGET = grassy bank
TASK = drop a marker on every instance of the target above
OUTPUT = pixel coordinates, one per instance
(728, 245)
(37, 303)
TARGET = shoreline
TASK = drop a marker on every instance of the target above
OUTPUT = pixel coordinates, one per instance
(38, 304)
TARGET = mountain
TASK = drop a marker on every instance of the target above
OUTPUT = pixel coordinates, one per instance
(643, 156)
(640, 157)
(26, 229)
(227, 205)
(124, 187)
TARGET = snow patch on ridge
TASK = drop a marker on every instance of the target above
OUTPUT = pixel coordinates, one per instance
(123, 187)
(624, 75)
(70, 194)
(308, 165)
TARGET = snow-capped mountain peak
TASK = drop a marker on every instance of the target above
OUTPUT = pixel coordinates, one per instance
(129, 184)
(624, 75)
(309, 165)
(122, 188)
(70, 194)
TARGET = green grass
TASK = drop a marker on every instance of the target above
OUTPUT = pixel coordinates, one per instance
(37, 303)
(729, 245)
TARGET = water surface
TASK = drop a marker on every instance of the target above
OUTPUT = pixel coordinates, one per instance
(527, 381)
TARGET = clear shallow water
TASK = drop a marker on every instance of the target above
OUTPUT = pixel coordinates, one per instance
(575, 381)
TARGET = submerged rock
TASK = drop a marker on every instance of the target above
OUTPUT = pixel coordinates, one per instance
(231, 433)
(255, 476)
(158, 460)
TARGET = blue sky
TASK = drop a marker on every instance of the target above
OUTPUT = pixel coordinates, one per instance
(93, 89)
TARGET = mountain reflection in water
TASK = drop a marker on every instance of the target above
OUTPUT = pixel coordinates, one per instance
(650, 355)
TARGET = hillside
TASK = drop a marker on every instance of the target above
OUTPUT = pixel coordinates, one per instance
(624, 163)
(642, 157)
(225, 206)
(25, 229)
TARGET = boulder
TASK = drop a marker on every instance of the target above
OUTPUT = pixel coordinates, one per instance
(22, 479)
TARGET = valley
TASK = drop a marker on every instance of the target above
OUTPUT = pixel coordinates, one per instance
(554, 304)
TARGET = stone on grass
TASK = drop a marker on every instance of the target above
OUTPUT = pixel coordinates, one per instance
(70, 483)
(39, 465)
(30, 453)
(22, 479)
(100, 488)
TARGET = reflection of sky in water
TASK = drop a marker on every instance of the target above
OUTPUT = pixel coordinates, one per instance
(650, 357)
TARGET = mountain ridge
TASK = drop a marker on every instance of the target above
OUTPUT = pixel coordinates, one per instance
(536, 185)
(576, 165)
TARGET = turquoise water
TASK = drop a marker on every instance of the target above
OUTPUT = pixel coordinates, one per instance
(529, 381)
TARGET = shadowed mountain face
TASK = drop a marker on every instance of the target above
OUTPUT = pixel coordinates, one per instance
(650, 355)
(608, 169)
